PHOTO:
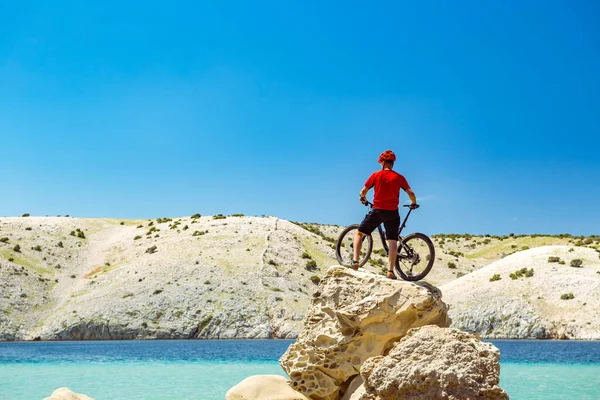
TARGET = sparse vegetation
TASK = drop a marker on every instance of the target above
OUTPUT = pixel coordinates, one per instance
(576, 263)
(25, 215)
(219, 216)
(196, 216)
(237, 215)
(207, 282)
(4, 240)
(28, 228)
(126, 295)
(17, 249)
(272, 262)
(451, 265)
(137, 237)
(522, 273)
(199, 233)
(306, 255)
(495, 278)
(37, 248)
(553, 259)
(567, 296)
(78, 233)
(151, 250)
(158, 291)
(315, 279)
(311, 265)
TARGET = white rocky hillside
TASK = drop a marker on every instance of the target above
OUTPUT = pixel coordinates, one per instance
(207, 277)
(542, 293)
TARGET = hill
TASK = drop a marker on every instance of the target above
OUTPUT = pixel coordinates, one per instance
(542, 293)
(207, 277)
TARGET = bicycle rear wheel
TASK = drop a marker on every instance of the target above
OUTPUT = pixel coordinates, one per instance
(344, 247)
(416, 255)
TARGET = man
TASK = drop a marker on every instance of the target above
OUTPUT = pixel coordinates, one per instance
(387, 184)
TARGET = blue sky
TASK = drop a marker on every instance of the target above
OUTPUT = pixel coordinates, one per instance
(150, 109)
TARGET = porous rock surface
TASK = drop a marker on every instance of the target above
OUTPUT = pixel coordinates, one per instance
(434, 363)
(261, 387)
(65, 394)
(357, 315)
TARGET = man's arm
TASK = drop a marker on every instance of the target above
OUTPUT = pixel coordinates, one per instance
(411, 194)
(363, 194)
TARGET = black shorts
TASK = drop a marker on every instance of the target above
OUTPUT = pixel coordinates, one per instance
(390, 219)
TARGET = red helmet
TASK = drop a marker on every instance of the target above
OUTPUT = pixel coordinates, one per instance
(387, 155)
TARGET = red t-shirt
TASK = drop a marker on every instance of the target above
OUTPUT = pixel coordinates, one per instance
(387, 185)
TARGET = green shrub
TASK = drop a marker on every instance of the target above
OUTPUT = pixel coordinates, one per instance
(278, 299)
(73, 276)
(207, 282)
(25, 215)
(163, 220)
(237, 215)
(451, 265)
(122, 223)
(315, 279)
(306, 255)
(4, 240)
(567, 296)
(185, 228)
(311, 265)
(158, 291)
(151, 250)
(139, 226)
(274, 289)
(523, 272)
(576, 263)
(494, 278)
(272, 262)
(127, 295)
(137, 237)
(28, 228)
(553, 259)
(199, 233)
(17, 248)
(196, 216)
(37, 248)
(561, 262)
(12, 259)
(525, 248)
(219, 216)
(486, 241)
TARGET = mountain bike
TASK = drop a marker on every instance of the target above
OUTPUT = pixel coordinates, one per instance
(416, 253)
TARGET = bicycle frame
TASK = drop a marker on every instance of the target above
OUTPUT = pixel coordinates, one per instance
(382, 235)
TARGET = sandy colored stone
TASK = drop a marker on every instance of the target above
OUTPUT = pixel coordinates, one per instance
(356, 315)
(65, 394)
(264, 387)
(434, 363)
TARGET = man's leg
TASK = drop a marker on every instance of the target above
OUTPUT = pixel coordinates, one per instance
(358, 238)
(393, 244)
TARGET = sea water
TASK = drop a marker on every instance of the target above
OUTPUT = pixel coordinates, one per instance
(152, 370)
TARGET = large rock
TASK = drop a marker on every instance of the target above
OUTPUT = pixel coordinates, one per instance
(434, 363)
(65, 394)
(264, 387)
(356, 316)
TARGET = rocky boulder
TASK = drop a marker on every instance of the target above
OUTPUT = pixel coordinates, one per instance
(355, 316)
(433, 363)
(261, 387)
(65, 394)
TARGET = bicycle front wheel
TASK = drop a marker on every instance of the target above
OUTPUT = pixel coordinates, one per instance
(344, 248)
(416, 255)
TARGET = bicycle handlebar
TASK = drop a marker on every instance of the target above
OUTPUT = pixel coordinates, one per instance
(367, 203)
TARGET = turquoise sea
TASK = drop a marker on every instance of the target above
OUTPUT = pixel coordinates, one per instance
(152, 370)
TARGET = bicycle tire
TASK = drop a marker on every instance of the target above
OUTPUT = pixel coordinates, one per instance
(367, 247)
(429, 250)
